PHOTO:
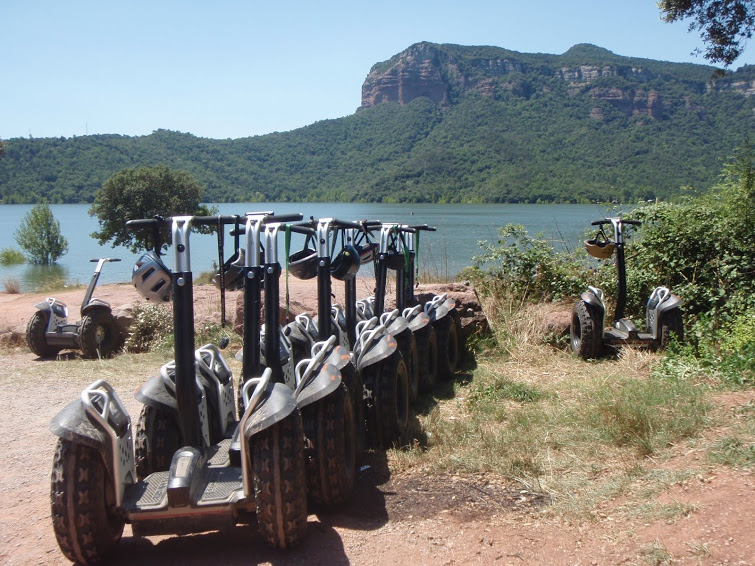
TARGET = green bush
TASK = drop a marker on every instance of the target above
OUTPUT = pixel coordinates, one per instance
(530, 269)
(11, 256)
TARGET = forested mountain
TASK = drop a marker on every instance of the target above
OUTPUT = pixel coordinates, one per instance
(447, 123)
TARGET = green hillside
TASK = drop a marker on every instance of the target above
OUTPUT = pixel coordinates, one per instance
(512, 127)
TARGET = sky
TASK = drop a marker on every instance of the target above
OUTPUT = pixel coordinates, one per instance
(231, 69)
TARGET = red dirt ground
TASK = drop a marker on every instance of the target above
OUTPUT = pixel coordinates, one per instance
(404, 518)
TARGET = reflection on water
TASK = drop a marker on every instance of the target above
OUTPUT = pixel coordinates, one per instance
(38, 278)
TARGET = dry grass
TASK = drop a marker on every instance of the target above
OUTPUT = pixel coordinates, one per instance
(12, 286)
(581, 432)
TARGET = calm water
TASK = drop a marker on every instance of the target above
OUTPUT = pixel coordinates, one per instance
(444, 252)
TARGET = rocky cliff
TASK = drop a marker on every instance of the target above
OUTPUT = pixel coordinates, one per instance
(444, 73)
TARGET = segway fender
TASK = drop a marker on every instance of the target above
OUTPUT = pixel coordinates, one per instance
(339, 356)
(296, 335)
(278, 402)
(437, 312)
(328, 379)
(418, 322)
(672, 302)
(44, 306)
(95, 304)
(73, 424)
(155, 394)
(381, 349)
(594, 301)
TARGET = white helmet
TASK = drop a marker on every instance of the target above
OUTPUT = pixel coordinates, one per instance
(152, 278)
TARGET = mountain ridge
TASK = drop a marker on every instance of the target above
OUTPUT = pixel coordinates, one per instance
(447, 123)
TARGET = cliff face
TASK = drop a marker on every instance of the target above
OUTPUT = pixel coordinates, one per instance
(442, 73)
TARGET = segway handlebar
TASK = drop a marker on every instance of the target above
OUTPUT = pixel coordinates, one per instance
(608, 221)
(424, 227)
(270, 218)
(105, 259)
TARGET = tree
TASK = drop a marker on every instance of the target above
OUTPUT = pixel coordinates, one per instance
(724, 24)
(143, 193)
(40, 237)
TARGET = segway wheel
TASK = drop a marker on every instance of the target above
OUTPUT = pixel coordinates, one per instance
(427, 348)
(586, 336)
(330, 430)
(671, 327)
(448, 347)
(387, 404)
(353, 380)
(35, 335)
(99, 335)
(157, 439)
(280, 488)
(86, 525)
(411, 357)
(459, 334)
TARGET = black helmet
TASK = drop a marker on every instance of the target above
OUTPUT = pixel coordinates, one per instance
(303, 264)
(233, 272)
(152, 278)
(346, 264)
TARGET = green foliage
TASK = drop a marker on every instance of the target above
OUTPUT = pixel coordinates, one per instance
(143, 193)
(151, 328)
(11, 256)
(528, 268)
(702, 247)
(725, 25)
(40, 237)
(536, 138)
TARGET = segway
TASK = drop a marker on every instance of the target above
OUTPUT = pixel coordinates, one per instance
(390, 255)
(96, 334)
(663, 315)
(95, 488)
(377, 360)
(326, 389)
(441, 309)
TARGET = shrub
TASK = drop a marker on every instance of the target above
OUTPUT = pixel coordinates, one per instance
(151, 328)
(11, 256)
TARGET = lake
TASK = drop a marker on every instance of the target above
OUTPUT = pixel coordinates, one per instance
(442, 253)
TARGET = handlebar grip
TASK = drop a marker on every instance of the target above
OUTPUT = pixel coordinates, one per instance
(600, 222)
(292, 217)
(633, 222)
(214, 220)
(423, 227)
(145, 222)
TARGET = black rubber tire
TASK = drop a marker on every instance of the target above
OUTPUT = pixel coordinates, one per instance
(353, 380)
(158, 436)
(411, 357)
(448, 347)
(280, 485)
(86, 525)
(99, 335)
(671, 326)
(586, 334)
(459, 335)
(330, 430)
(427, 348)
(387, 405)
(35, 335)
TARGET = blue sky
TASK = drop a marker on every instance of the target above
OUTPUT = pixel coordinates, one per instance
(230, 69)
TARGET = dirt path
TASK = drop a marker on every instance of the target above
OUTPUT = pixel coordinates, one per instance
(407, 518)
